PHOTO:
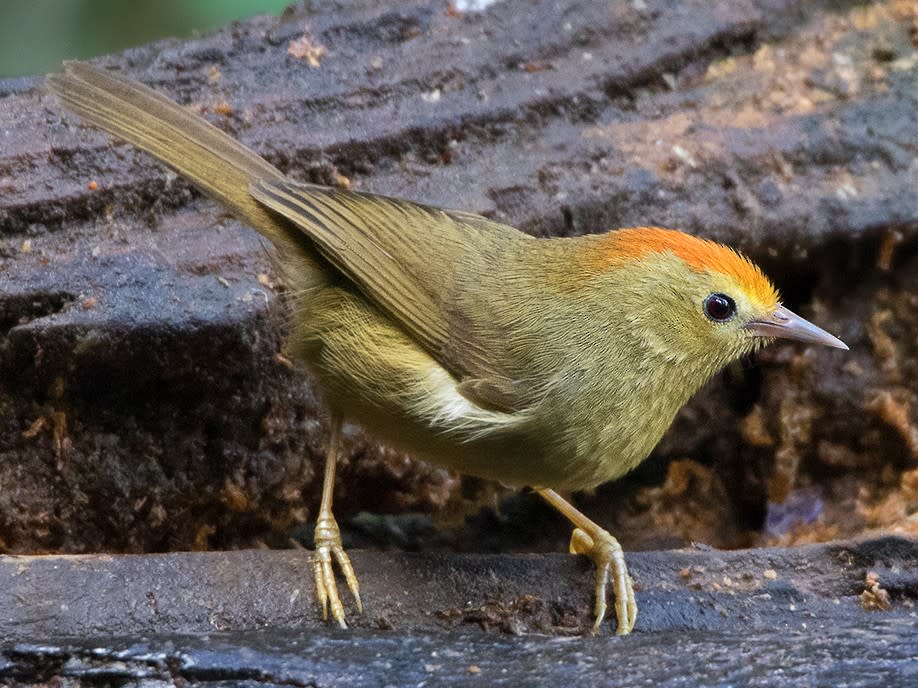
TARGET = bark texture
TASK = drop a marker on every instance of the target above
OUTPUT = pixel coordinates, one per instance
(144, 405)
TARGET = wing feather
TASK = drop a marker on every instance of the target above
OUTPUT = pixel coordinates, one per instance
(416, 262)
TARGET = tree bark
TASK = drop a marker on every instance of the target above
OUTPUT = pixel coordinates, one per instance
(144, 403)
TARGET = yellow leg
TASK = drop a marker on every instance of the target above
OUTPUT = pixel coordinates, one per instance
(328, 541)
(596, 543)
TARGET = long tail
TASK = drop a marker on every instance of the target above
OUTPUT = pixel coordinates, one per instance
(215, 162)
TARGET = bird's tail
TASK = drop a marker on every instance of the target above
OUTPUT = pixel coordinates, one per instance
(215, 162)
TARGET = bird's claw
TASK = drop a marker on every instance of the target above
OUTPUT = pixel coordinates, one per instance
(606, 554)
(328, 547)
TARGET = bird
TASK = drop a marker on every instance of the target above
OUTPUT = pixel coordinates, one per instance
(550, 363)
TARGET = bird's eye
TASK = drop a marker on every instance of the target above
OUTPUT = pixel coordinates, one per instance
(719, 307)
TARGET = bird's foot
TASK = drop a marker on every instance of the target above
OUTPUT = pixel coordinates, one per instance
(327, 546)
(607, 555)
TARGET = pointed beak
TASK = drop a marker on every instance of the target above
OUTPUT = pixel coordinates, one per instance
(786, 324)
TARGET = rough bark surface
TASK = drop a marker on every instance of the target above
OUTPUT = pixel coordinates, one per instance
(839, 614)
(701, 589)
(144, 405)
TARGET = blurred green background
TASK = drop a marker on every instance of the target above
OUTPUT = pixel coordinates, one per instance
(35, 35)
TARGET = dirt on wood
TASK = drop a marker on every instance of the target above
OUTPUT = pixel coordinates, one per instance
(145, 404)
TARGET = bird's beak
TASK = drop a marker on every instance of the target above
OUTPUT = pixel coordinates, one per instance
(788, 325)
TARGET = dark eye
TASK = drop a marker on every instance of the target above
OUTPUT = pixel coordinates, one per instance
(719, 307)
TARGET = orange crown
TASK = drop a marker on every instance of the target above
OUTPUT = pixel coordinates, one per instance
(700, 254)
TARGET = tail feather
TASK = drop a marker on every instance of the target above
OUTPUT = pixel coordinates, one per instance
(211, 159)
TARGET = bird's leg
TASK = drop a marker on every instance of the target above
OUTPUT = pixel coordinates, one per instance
(328, 540)
(595, 542)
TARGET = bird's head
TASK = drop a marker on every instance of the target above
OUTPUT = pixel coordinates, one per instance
(696, 300)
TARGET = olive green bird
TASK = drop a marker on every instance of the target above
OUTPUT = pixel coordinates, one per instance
(554, 363)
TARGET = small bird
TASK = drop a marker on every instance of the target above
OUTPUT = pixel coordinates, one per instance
(551, 363)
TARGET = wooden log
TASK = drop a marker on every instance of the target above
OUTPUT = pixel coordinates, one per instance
(143, 403)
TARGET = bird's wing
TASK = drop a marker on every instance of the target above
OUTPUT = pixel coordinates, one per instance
(410, 260)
